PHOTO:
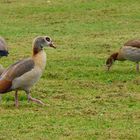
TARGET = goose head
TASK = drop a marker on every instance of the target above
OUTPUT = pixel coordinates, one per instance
(40, 42)
(112, 58)
(109, 63)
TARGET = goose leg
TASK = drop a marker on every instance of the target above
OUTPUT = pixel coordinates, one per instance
(137, 66)
(16, 98)
(0, 98)
(33, 99)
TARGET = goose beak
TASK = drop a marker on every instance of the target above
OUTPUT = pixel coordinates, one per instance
(51, 45)
(108, 68)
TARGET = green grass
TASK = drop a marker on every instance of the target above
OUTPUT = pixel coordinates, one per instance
(85, 102)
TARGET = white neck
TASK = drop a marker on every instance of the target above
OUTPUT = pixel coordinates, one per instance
(40, 60)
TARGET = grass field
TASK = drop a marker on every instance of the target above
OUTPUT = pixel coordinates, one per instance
(85, 102)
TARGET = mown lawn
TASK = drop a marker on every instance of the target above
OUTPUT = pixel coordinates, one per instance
(85, 102)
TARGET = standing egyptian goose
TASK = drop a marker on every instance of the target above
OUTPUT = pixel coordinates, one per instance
(23, 74)
(3, 51)
(130, 51)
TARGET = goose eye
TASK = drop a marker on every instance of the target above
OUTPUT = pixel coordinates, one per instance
(48, 39)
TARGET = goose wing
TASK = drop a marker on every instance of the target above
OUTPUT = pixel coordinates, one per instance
(133, 43)
(18, 69)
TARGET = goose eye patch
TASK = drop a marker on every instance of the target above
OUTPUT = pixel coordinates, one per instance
(47, 38)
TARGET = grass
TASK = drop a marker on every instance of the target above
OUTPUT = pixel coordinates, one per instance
(85, 101)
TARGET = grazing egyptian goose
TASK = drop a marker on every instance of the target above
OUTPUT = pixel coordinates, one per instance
(130, 51)
(23, 74)
(3, 51)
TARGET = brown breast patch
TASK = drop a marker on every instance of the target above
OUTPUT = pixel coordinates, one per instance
(5, 85)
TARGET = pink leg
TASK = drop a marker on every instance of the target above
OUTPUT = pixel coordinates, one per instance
(16, 98)
(137, 66)
(35, 100)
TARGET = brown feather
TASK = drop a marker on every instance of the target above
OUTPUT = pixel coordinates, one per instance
(18, 69)
(5, 85)
(133, 43)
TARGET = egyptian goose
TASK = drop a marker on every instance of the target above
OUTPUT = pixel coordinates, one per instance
(130, 51)
(3, 51)
(23, 74)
